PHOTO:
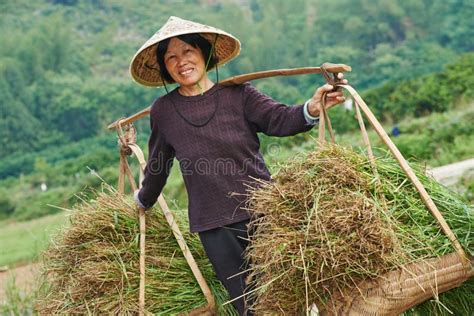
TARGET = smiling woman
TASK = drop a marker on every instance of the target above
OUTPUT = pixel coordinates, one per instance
(202, 123)
(186, 65)
(185, 60)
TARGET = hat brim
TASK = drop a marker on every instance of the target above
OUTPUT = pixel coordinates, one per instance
(145, 69)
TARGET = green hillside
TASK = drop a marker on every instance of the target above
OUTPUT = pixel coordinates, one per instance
(64, 77)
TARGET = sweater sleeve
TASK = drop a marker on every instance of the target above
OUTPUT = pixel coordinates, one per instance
(157, 170)
(271, 117)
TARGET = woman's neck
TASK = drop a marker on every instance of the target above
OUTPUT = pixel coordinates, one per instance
(196, 89)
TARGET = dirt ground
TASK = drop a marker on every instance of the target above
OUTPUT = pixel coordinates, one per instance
(25, 278)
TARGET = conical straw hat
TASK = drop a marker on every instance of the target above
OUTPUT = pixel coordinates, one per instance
(144, 67)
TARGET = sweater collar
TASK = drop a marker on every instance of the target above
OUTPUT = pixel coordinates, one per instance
(177, 97)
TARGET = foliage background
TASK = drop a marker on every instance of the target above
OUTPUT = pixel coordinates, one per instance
(64, 78)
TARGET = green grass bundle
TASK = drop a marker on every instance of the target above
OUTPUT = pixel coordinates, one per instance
(92, 267)
(327, 222)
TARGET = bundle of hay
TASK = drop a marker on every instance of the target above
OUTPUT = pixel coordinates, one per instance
(92, 267)
(326, 222)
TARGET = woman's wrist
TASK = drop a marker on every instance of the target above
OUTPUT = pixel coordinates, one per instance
(312, 109)
(137, 200)
(310, 119)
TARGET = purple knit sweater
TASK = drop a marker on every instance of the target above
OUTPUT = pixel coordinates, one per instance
(220, 157)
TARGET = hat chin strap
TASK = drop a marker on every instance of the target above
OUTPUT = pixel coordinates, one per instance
(211, 54)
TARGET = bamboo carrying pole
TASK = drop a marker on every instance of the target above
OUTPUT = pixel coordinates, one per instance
(332, 68)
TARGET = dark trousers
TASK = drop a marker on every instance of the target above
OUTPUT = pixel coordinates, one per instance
(225, 248)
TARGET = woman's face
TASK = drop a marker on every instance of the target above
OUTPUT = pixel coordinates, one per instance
(185, 63)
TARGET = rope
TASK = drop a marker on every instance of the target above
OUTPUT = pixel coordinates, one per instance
(323, 120)
(202, 124)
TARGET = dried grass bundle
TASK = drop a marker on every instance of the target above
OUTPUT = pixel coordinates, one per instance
(92, 267)
(326, 222)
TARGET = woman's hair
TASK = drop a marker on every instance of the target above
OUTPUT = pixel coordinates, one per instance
(192, 39)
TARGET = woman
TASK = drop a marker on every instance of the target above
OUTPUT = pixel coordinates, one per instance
(212, 131)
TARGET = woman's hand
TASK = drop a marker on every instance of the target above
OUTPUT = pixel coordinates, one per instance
(332, 98)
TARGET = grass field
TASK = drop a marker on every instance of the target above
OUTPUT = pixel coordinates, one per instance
(22, 242)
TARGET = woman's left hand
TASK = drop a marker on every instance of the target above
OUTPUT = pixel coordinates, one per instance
(332, 97)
